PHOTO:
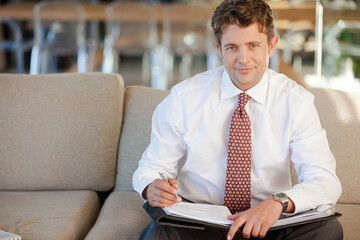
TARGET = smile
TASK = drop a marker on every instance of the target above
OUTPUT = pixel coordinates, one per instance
(243, 70)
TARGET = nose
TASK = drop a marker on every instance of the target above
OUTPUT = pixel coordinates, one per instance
(242, 56)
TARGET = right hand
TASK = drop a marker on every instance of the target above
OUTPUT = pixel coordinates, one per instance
(161, 194)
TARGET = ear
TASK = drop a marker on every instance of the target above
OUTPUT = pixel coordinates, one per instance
(219, 50)
(272, 45)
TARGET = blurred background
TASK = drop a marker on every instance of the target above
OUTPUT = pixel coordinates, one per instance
(159, 43)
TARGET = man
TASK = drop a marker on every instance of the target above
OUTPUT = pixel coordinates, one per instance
(239, 125)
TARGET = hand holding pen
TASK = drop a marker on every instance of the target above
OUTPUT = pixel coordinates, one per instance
(165, 178)
(162, 192)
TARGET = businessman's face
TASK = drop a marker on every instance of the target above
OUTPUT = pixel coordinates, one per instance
(245, 52)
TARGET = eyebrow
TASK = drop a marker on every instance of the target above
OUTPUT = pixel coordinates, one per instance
(248, 43)
(254, 42)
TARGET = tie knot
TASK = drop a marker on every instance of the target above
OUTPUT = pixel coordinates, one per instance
(243, 99)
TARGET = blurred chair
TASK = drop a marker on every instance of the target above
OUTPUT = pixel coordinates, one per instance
(188, 39)
(342, 49)
(131, 31)
(92, 28)
(60, 32)
(15, 43)
(297, 42)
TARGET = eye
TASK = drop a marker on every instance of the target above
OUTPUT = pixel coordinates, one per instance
(231, 49)
(254, 45)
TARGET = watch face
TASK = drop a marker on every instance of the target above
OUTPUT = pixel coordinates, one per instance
(281, 195)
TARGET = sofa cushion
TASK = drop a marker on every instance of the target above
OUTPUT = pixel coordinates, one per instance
(48, 215)
(139, 105)
(121, 217)
(339, 114)
(59, 131)
(350, 220)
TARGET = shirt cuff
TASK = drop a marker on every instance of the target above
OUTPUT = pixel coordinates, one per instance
(300, 199)
(144, 183)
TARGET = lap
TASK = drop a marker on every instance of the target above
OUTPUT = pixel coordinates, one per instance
(330, 230)
(162, 232)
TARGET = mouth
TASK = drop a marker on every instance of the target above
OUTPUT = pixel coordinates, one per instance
(244, 69)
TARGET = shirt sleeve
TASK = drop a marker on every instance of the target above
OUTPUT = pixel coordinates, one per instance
(312, 158)
(166, 146)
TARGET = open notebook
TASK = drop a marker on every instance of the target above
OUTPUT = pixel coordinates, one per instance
(193, 215)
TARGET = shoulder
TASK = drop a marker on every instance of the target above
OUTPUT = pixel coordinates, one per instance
(192, 92)
(283, 87)
(200, 83)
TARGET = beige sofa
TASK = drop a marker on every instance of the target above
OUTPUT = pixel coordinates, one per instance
(69, 144)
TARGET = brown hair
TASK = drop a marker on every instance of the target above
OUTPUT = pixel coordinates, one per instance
(242, 13)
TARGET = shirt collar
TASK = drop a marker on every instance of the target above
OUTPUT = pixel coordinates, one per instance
(258, 92)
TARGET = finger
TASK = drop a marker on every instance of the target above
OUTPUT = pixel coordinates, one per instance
(256, 229)
(170, 189)
(156, 196)
(248, 227)
(165, 187)
(174, 183)
(263, 231)
(164, 190)
(161, 194)
(158, 202)
(234, 216)
(235, 226)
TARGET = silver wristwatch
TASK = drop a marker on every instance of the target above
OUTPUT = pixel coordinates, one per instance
(281, 197)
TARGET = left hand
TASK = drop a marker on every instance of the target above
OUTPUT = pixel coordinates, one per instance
(256, 220)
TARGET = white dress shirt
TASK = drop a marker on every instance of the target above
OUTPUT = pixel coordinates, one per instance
(190, 130)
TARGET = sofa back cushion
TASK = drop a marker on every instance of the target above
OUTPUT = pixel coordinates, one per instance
(139, 105)
(339, 114)
(59, 131)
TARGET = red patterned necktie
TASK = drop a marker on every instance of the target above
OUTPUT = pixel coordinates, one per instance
(238, 172)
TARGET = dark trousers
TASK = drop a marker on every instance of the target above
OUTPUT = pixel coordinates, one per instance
(329, 230)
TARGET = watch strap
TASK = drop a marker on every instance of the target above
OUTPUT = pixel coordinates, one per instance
(282, 198)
